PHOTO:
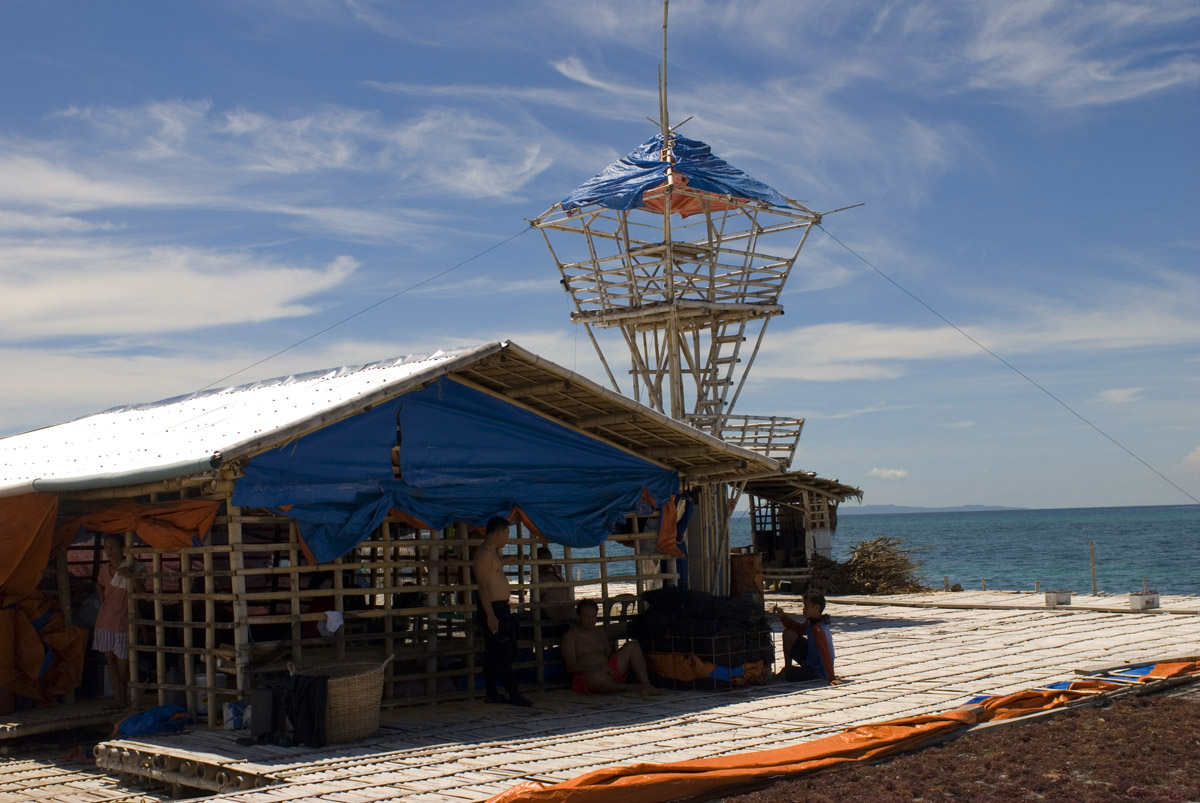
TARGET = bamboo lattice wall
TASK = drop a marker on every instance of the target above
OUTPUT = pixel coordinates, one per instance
(219, 620)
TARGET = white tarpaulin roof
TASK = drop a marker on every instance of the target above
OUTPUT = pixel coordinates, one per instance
(196, 434)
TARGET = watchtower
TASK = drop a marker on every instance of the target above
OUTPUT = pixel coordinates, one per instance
(686, 256)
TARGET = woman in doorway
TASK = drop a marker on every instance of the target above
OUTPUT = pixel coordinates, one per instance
(111, 636)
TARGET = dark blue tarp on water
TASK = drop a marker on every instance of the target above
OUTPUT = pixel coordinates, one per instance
(465, 456)
(621, 184)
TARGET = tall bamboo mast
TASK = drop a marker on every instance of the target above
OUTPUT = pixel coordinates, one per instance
(685, 293)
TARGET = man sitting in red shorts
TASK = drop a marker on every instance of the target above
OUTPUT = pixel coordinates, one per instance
(595, 667)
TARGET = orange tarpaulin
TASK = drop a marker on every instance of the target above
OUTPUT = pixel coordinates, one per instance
(648, 783)
(39, 655)
(165, 525)
(1174, 669)
(651, 783)
(26, 535)
(687, 204)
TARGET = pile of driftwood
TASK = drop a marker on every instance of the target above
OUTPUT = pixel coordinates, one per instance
(878, 566)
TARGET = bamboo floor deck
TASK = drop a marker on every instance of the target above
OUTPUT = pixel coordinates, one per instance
(1024, 600)
(33, 721)
(902, 657)
(43, 775)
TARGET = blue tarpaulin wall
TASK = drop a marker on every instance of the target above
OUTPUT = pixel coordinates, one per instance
(464, 456)
(622, 183)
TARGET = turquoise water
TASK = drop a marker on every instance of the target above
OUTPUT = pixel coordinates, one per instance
(1014, 548)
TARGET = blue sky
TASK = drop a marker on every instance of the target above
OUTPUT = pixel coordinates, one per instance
(189, 187)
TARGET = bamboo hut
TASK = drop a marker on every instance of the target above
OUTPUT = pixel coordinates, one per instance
(793, 517)
(329, 517)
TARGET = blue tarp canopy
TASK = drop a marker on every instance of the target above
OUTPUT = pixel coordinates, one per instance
(622, 183)
(464, 456)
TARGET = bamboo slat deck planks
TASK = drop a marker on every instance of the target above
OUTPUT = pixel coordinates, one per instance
(465, 751)
(32, 721)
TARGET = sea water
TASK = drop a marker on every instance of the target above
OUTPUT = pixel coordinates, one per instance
(1014, 549)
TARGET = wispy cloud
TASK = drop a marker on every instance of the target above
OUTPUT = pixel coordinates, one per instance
(489, 286)
(1080, 54)
(1119, 395)
(47, 224)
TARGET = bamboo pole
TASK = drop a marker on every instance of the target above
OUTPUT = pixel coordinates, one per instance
(210, 639)
(160, 632)
(294, 604)
(241, 630)
(1092, 554)
(386, 580)
(62, 578)
(131, 688)
(189, 666)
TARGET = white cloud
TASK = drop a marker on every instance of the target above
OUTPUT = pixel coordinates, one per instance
(1193, 459)
(63, 288)
(890, 474)
(114, 376)
(1116, 316)
(32, 180)
(1118, 395)
(958, 424)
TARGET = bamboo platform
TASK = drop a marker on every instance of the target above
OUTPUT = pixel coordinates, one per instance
(1024, 601)
(45, 776)
(33, 721)
(899, 659)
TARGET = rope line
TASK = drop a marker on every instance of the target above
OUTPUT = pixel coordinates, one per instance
(1009, 365)
(367, 309)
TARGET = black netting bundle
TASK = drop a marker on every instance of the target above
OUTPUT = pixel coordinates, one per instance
(727, 631)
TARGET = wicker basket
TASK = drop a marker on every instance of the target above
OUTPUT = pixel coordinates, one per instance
(352, 698)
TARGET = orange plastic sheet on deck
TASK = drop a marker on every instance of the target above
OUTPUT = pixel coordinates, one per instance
(165, 525)
(1031, 701)
(651, 783)
(1174, 669)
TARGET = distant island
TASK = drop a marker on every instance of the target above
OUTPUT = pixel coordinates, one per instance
(866, 510)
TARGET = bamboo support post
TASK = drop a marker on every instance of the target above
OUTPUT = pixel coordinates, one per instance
(210, 640)
(241, 631)
(160, 632)
(189, 664)
(131, 688)
(1092, 554)
(294, 606)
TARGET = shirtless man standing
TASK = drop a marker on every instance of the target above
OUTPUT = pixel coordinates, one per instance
(594, 666)
(495, 620)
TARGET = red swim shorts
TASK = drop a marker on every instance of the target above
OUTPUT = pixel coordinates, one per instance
(579, 681)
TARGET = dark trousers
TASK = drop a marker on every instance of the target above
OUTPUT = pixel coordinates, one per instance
(799, 654)
(499, 648)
